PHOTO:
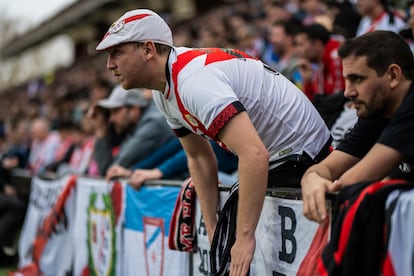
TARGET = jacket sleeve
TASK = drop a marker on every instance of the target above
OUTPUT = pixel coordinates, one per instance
(174, 166)
(160, 155)
(151, 132)
(102, 155)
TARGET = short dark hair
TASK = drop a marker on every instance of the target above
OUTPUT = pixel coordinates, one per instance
(381, 48)
(162, 49)
(317, 32)
(290, 27)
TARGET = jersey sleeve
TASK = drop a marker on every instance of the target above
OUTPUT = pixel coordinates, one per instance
(209, 97)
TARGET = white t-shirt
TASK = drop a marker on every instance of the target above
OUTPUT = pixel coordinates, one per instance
(367, 25)
(343, 124)
(208, 87)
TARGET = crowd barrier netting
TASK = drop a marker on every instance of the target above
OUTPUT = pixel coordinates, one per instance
(77, 225)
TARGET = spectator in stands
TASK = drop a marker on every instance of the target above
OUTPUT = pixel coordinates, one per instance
(95, 124)
(12, 201)
(341, 17)
(249, 39)
(282, 38)
(76, 152)
(408, 33)
(379, 73)
(100, 89)
(66, 130)
(12, 212)
(309, 10)
(377, 15)
(185, 34)
(339, 115)
(278, 11)
(274, 11)
(138, 126)
(320, 66)
(170, 162)
(2, 138)
(43, 147)
(227, 96)
(17, 147)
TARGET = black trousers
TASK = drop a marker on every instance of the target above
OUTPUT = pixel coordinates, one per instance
(287, 175)
(290, 173)
(12, 212)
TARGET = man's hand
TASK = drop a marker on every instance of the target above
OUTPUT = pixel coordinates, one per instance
(10, 162)
(117, 171)
(140, 176)
(313, 193)
(10, 191)
(242, 255)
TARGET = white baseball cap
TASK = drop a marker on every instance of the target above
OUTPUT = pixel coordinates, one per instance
(134, 26)
(120, 97)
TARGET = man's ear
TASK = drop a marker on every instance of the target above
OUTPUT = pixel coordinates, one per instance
(149, 48)
(394, 75)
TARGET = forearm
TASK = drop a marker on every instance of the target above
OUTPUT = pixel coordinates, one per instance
(204, 175)
(253, 175)
(319, 170)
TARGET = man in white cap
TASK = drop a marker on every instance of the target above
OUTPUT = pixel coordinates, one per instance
(138, 123)
(227, 96)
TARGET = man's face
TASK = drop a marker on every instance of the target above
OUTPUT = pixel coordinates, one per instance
(365, 7)
(411, 18)
(127, 64)
(369, 92)
(119, 118)
(305, 48)
(278, 39)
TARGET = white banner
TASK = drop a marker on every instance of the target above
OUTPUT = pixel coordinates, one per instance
(201, 258)
(54, 234)
(98, 227)
(284, 238)
(287, 243)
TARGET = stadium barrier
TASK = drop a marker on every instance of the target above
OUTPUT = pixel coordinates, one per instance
(80, 225)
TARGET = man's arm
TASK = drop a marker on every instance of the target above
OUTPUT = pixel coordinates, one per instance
(241, 137)
(376, 164)
(345, 170)
(202, 165)
(318, 180)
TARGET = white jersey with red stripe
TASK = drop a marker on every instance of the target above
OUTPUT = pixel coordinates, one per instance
(207, 87)
(383, 22)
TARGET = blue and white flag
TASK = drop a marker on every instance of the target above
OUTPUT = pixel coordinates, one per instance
(147, 220)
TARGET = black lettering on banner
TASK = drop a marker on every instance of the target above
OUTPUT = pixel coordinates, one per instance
(287, 234)
(204, 257)
(61, 224)
(202, 227)
(44, 198)
(274, 273)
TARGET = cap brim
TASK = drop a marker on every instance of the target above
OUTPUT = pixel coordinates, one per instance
(108, 104)
(108, 42)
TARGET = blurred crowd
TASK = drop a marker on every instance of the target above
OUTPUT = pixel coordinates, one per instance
(78, 120)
